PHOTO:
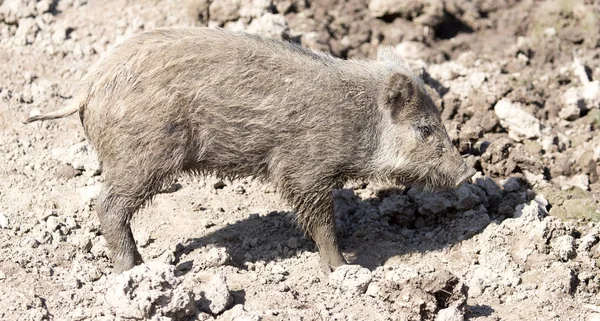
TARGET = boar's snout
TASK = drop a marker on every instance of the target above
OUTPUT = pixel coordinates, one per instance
(466, 173)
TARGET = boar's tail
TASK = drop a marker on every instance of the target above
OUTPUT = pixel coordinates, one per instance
(73, 107)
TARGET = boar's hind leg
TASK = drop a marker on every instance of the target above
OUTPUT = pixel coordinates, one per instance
(114, 212)
(315, 215)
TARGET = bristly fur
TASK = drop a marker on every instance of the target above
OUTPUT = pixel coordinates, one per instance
(210, 101)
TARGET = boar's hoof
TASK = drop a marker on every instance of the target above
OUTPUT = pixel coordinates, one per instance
(122, 264)
(328, 265)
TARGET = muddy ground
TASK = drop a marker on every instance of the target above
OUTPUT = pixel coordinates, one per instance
(517, 82)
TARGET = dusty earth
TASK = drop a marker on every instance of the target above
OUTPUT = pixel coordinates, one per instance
(517, 82)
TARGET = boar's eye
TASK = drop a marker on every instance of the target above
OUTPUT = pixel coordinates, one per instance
(424, 131)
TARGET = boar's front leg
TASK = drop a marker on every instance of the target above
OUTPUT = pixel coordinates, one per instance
(315, 215)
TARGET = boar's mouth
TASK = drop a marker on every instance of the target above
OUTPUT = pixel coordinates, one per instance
(465, 176)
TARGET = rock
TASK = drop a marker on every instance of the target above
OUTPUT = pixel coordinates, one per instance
(81, 157)
(99, 247)
(373, 290)
(89, 193)
(293, 243)
(3, 221)
(589, 240)
(529, 212)
(26, 31)
(2, 275)
(559, 278)
(511, 184)
(399, 209)
(52, 223)
(82, 241)
(224, 10)
(59, 35)
(255, 8)
(477, 79)
(249, 317)
(270, 25)
(217, 294)
(143, 239)
(66, 171)
(350, 278)
(450, 314)
(573, 104)
(564, 247)
(577, 208)
(430, 204)
(214, 257)
(519, 123)
(411, 50)
(219, 185)
(581, 180)
(149, 290)
(467, 199)
(404, 8)
(490, 187)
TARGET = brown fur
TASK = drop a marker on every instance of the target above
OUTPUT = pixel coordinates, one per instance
(236, 105)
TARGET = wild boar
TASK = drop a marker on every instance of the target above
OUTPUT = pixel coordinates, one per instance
(233, 104)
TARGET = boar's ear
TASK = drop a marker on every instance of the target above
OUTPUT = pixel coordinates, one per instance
(398, 90)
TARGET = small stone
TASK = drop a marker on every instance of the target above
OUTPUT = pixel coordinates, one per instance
(224, 10)
(373, 290)
(217, 294)
(240, 190)
(589, 240)
(215, 257)
(52, 223)
(66, 171)
(564, 247)
(82, 241)
(520, 124)
(250, 317)
(255, 8)
(99, 247)
(3, 221)
(550, 32)
(149, 291)
(59, 36)
(44, 237)
(573, 104)
(143, 239)
(31, 242)
(2, 275)
(351, 278)
(292, 243)
(219, 185)
(477, 79)
(279, 269)
(90, 193)
(581, 180)
(450, 314)
(270, 25)
(411, 50)
(511, 184)
(528, 212)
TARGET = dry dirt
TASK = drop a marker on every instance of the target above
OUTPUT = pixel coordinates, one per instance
(517, 82)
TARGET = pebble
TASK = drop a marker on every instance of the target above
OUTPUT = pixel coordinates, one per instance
(450, 314)
(350, 278)
(217, 294)
(3, 221)
(564, 247)
(52, 223)
(2, 275)
(520, 124)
